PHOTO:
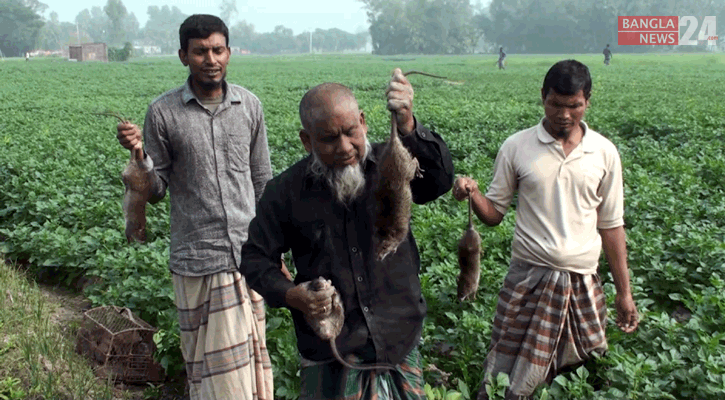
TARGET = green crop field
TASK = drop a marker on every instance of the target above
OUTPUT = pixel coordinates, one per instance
(60, 198)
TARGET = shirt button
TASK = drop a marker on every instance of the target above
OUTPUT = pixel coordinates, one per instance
(354, 249)
(422, 134)
(359, 278)
(365, 309)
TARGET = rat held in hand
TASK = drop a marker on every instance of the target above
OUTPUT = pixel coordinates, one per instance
(469, 259)
(393, 195)
(327, 326)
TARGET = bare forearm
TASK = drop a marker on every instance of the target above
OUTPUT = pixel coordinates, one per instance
(484, 209)
(615, 249)
(464, 187)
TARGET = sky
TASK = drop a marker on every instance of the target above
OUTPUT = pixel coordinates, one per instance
(300, 16)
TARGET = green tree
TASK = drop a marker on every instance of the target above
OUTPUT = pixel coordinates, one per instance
(35, 5)
(162, 28)
(131, 28)
(362, 39)
(483, 30)
(116, 12)
(576, 26)
(94, 24)
(421, 26)
(389, 31)
(50, 34)
(20, 26)
(228, 11)
(242, 35)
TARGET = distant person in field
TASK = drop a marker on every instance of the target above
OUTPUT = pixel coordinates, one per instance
(551, 310)
(607, 55)
(501, 58)
(27, 56)
(322, 209)
(208, 143)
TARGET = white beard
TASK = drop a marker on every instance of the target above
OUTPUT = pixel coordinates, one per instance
(346, 183)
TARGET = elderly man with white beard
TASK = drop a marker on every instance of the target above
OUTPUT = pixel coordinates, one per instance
(322, 208)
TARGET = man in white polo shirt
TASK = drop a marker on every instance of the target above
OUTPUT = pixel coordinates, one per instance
(551, 310)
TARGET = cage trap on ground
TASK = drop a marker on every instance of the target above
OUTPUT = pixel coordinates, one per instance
(121, 343)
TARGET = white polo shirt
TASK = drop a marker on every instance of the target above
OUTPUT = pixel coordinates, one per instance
(562, 200)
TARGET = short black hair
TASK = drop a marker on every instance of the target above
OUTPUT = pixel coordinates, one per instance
(201, 26)
(567, 78)
(320, 97)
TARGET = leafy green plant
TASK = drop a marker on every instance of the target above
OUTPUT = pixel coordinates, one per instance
(498, 387)
(10, 389)
(120, 54)
(60, 199)
(443, 393)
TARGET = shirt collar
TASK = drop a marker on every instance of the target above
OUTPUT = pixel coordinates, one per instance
(187, 93)
(587, 142)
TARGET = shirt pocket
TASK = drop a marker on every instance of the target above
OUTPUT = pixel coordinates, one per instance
(237, 151)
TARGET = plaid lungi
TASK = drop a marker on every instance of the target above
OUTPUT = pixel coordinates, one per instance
(545, 320)
(330, 380)
(223, 337)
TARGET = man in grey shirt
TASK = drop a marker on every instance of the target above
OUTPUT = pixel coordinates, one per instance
(208, 145)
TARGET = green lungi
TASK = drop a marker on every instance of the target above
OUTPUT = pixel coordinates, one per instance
(330, 380)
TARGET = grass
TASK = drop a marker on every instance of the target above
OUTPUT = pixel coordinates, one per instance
(37, 357)
(60, 198)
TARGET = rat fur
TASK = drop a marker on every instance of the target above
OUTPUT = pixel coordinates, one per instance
(393, 195)
(327, 326)
(469, 259)
(137, 179)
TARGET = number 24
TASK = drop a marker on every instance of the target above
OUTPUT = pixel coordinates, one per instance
(707, 30)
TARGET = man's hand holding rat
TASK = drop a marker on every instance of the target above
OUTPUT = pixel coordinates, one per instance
(308, 301)
(400, 100)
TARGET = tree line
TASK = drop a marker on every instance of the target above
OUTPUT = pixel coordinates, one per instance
(520, 26)
(23, 28)
(396, 27)
(283, 40)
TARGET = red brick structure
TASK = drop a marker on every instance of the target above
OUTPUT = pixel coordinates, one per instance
(89, 52)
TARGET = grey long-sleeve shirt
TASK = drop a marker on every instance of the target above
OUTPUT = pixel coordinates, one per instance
(215, 166)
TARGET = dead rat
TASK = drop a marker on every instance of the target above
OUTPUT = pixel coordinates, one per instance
(392, 190)
(328, 325)
(137, 179)
(469, 259)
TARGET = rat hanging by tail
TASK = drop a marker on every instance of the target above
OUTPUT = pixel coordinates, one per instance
(392, 190)
(469, 258)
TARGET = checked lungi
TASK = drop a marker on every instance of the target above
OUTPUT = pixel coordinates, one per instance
(545, 320)
(330, 380)
(223, 338)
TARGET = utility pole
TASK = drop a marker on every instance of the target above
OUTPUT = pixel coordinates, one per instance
(78, 33)
(310, 41)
